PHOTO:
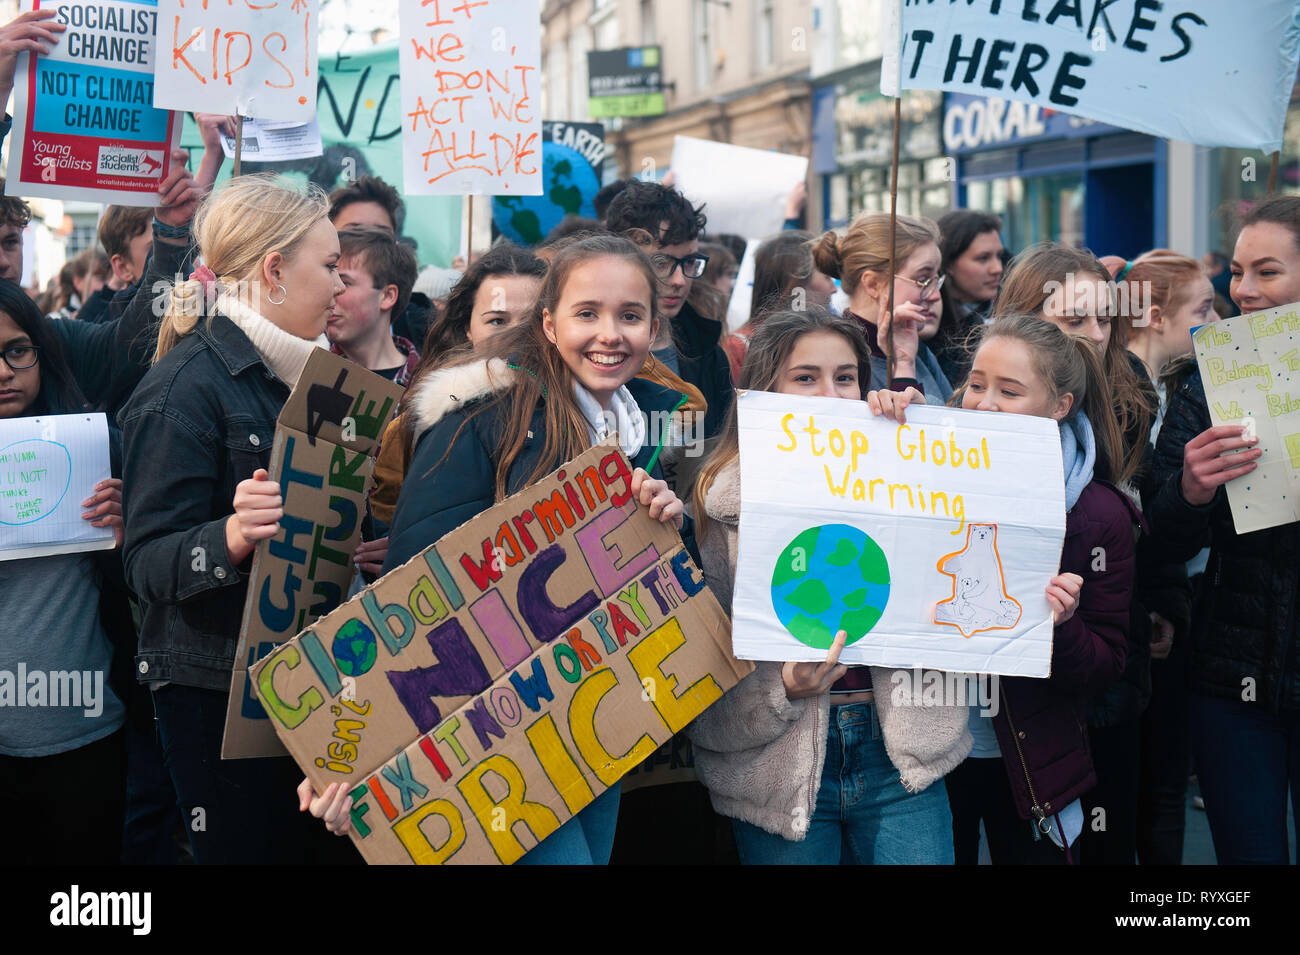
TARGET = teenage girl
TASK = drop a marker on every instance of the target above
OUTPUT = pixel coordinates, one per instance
(494, 422)
(198, 433)
(62, 764)
(810, 760)
(1030, 762)
(860, 260)
(1244, 659)
(1179, 297)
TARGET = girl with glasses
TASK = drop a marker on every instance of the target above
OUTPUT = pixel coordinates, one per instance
(860, 259)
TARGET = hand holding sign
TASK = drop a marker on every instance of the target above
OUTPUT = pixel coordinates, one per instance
(814, 679)
(258, 509)
(908, 319)
(664, 505)
(30, 32)
(333, 805)
(104, 507)
(1063, 594)
(893, 404)
(1208, 463)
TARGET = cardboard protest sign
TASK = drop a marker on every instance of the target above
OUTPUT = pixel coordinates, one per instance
(238, 58)
(931, 543)
(1250, 367)
(746, 188)
(470, 73)
(326, 440)
(479, 696)
(572, 157)
(48, 466)
(84, 124)
(1194, 71)
(360, 126)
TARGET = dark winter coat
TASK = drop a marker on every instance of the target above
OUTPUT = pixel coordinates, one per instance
(1041, 723)
(1244, 632)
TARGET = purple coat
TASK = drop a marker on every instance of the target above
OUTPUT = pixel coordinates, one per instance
(1042, 724)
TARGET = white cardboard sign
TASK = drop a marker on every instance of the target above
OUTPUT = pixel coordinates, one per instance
(744, 189)
(930, 542)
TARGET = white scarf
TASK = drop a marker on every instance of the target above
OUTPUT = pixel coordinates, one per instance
(623, 416)
(284, 354)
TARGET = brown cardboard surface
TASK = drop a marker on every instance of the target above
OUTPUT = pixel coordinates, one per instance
(478, 696)
(325, 440)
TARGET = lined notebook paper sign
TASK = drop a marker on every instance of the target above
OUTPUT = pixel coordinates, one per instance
(48, 466)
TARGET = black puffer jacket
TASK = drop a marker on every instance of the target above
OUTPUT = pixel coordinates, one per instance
(1244, 634)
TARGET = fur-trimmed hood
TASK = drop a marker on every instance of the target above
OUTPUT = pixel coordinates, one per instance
(449, 389)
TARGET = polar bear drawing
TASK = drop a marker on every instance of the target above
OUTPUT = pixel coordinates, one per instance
(979, 598)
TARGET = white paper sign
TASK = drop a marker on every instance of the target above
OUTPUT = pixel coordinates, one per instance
(930, 542)
(745, 189)
(266, 141)
(471, 82)
(238, 58)
(1250, 366)
(48, 466)
(742, 293)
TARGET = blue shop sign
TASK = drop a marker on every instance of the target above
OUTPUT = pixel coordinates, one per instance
(973, 124)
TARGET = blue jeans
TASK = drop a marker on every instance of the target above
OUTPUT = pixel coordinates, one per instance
(1246, 758)
(586, 839)
(863, 816)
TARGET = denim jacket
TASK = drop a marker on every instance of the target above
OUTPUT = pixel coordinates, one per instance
(201, 421)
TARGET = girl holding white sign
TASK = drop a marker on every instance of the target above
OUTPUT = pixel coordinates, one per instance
(812, 761)
(61, 741)
(1244, 662)
(1028, 799)
(494, 421)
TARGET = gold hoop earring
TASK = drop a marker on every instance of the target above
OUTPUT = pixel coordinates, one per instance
(284, 292)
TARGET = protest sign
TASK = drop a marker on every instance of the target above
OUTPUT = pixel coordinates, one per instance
(572, 157)
(326, 439)
(248, 59)
(742, 293)
(480, 695)
(48, 466)
(266, 141)
(1182, 70)
(1250, 367)
(84, 124)
(746, 188)
(360, 126)
(470, 77)
(931, 543)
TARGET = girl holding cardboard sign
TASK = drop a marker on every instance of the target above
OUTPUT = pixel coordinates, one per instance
(493, 421)
(198, 438)
(788, 749)
(1028, 799)
(1244, 663)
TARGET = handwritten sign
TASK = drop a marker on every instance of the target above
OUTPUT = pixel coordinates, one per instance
(326, 439)
(1250, 367)
(1193, 71)
(48, 466)
(931, 543)
(469, 87)
(237, 56)
(84, 122)
(479, 696)
(746, 188)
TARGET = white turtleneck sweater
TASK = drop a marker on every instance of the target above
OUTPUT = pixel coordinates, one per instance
(283, 353)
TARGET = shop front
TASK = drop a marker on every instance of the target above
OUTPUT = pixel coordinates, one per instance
(1054, 176)
(853, 145)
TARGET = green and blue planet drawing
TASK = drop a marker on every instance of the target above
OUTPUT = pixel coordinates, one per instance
(829, 578)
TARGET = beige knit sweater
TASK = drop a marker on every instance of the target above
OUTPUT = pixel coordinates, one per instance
(760, 754)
